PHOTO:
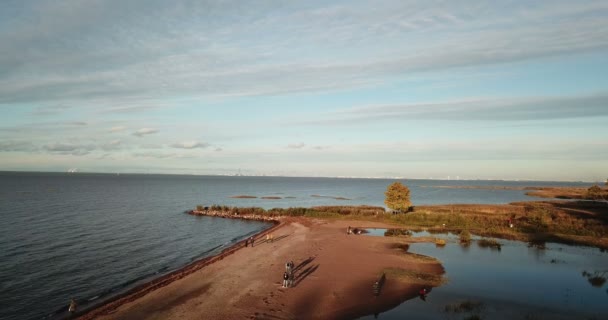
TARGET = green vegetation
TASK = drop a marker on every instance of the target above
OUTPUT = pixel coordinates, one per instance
(398, 197)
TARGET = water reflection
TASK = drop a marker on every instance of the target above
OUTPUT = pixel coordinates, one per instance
(597, 278)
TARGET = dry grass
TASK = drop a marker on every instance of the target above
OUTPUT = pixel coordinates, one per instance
(601, 193)
(414, 277)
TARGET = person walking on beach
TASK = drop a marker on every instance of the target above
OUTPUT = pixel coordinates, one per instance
(348, 230)
(267, 237)
(251, 240)
(72, 307)
(271, 237)
(285, 279)
(246, 242)
(288, 267)
(423, 293)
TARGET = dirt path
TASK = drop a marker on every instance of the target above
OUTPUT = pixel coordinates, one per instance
(334, 277)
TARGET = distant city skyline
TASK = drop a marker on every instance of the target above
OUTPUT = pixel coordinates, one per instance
(414, 89)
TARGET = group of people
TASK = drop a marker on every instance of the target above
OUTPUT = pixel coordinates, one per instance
(349, 230)
(251, 240)
(269, 237)
(288, 275)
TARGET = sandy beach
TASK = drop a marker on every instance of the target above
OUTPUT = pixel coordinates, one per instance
(334, 278)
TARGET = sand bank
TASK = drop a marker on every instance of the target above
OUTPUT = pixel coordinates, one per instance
(335, 273)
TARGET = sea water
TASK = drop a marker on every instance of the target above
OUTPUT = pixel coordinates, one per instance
(88, 236)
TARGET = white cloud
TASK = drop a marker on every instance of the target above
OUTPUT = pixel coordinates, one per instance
(190, 145)
(69, 148)
(144, 131)
(299, 145)
(117, 129)
(137, 63)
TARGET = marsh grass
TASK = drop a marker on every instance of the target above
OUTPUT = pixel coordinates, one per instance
(565, 222)
(489, 243)
(464, 306)
(398, 233)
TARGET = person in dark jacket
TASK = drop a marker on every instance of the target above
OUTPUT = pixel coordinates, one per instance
(285, 279)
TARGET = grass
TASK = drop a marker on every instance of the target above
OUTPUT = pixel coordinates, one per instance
(414, 276)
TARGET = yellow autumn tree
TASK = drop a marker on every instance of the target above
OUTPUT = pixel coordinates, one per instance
(398, 197)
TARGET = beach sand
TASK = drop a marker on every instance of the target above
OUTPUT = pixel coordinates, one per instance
(335, 273)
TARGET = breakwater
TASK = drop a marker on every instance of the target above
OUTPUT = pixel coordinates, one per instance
(235, 215)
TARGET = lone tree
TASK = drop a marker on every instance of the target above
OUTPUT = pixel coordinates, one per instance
(398, 197)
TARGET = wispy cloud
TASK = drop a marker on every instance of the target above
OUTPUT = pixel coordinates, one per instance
(190, 145)
(69, 148)
(506, 109)
(298, 145)
(140, 64)
(117, 129)
(144, 131)
(16, 146)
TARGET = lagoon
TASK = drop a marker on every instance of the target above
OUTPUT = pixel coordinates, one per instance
(517, 282)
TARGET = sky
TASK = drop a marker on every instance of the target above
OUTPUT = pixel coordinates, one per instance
(414, 89)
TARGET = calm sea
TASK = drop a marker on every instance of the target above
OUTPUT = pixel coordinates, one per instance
(88, 236)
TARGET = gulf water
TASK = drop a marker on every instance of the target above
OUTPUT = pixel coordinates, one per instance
(88, 236)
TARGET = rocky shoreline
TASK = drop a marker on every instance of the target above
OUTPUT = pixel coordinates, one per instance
(231, 215)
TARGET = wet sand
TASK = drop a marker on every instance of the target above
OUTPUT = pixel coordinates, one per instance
(335, 273)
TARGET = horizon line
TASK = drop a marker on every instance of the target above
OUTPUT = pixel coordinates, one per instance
(290, 176)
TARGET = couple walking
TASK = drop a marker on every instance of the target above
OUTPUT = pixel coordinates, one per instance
(288, 276)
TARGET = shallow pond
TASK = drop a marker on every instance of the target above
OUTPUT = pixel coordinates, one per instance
(516, 282)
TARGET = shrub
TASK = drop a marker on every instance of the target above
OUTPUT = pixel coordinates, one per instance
(465, 237)
(489, 243)
(594, 193)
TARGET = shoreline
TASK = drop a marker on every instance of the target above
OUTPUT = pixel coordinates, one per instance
(114, 302)
(143, 298)
(320, 250)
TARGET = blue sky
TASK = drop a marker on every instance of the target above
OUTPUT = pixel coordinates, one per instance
(418, 89)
